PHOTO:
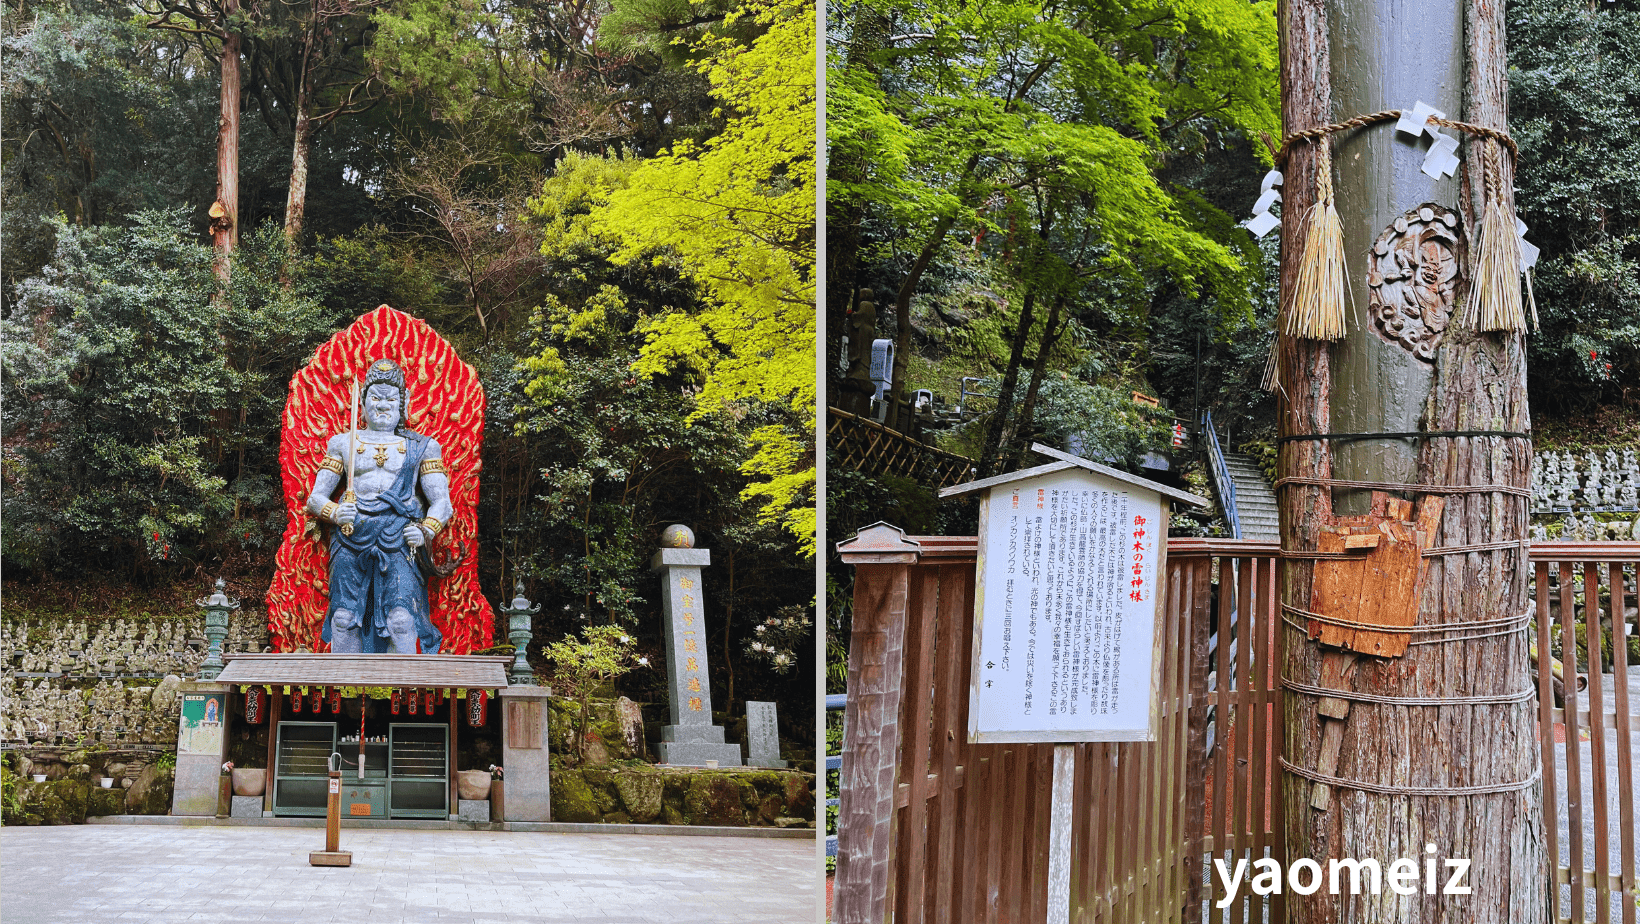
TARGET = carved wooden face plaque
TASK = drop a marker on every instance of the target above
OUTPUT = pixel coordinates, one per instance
(1415, 278)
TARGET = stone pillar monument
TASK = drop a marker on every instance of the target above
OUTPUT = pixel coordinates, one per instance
(691, 740)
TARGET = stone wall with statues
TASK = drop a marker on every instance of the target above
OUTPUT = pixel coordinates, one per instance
(1588, 495)
(90, 720)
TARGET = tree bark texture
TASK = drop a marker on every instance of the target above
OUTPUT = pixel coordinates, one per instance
(225, 229)
(296, 200)
(1477, 382)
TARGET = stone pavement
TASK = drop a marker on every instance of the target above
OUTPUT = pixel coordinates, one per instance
(225, 875)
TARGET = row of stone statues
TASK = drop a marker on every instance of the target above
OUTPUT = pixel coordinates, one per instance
(1585, 528)
(172, 646)
(1604, 482)
(44, 711)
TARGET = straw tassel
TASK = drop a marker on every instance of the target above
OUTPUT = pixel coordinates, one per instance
(1495, 294)
(1317, 308)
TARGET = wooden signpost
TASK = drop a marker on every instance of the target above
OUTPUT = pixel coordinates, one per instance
(333, 855)
(1067, 612)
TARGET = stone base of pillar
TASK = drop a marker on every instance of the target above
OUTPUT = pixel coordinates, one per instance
(694, 745)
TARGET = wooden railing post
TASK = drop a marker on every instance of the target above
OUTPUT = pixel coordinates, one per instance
(882, 557)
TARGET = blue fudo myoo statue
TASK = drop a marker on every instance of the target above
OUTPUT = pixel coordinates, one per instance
(378, 557)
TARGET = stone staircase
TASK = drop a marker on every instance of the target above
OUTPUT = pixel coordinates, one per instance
(1255, 500)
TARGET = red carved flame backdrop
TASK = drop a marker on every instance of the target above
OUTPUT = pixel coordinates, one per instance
(446, 403)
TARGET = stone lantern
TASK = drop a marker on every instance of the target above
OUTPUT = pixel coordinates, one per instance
(217, 607)
(518, 633)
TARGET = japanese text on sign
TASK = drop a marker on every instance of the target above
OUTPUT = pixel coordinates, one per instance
(1068, 610)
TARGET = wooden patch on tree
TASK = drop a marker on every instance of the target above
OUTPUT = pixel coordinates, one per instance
(1383, 586)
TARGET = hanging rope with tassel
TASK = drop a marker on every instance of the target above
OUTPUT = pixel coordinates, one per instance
(1316, 311)
(1495, 292)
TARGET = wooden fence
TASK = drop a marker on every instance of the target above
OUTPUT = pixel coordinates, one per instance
(868, 446)
(932, 828)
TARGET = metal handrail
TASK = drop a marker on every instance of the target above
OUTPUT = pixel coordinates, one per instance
(1223, 484)
(835, 702)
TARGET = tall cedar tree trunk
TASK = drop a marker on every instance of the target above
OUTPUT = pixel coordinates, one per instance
(225, 229)
(296, 201)
(1479, 383)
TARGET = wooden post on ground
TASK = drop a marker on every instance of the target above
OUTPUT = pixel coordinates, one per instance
(1419, 765)
(333, 855)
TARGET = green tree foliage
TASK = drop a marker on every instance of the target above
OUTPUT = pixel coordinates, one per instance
(131, 399)
(1044, 133)
(735, 214)
(1574, 91)
(582, 666)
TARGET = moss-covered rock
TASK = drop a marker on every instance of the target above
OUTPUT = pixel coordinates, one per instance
(59, 802)
(572, 799)
(614, 730)
(714, 800)
(105, 802)
(645, 794)
(640, 795)
(151, 793)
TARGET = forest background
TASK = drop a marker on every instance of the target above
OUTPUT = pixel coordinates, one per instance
(608, 208)
(1045, 196)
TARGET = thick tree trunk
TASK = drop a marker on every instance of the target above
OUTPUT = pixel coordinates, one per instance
(296, 200)
(1477, 382)
(225, 228)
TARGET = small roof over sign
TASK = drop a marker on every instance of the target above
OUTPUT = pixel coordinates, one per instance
(1068, 461)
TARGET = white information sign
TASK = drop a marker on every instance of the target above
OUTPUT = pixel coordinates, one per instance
(1066, 610)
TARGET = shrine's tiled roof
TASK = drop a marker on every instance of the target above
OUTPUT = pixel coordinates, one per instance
(368, 670)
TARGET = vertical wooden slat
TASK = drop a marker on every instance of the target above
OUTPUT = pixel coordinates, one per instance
(1278, 730)
(1574, 766)
(996, 810)
(910, 900)
(1198, 600)
(1178, 683)
(1597, 742)
(1258, 699)
(1013, 867)
(871, 744)
(1625, 742)
(1243, 690)
(1179, 729)
(1041, 826)
(976, 886)
(1546, 730)
(1222, 788)
(949, 733)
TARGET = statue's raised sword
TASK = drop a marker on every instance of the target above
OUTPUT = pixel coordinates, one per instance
(348, 497)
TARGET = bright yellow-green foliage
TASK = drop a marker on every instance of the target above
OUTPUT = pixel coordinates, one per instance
(736, 214)
(592, 326)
